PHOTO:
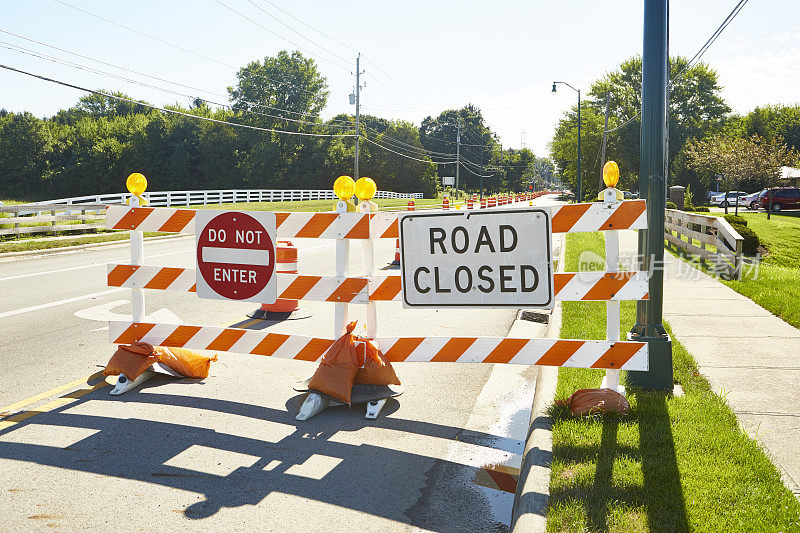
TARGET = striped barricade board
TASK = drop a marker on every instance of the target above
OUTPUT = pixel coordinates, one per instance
(568, 286)
(624, 355)
(630, 214)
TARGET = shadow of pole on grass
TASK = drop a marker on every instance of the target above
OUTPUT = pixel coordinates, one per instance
(597, 510)
(666, 507)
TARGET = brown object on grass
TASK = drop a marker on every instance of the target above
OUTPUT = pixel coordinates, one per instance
(337, 370)
(374, 370)
(591, 401)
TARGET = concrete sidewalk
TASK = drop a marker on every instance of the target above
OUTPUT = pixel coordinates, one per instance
(749, 356)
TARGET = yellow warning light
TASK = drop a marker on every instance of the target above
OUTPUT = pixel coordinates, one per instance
(365, 188)
(136, 184)
(343, 187)
(610, 174)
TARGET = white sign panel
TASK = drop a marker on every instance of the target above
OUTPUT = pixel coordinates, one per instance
(236, 255)
(477, 259)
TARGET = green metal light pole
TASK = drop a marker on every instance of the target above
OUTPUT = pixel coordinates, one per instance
(652, 181)
(579, 197)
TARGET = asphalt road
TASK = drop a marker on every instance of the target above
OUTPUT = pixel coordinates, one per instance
(227, 452)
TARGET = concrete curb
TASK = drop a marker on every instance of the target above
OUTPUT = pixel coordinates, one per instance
(533, 486)
(11, 256)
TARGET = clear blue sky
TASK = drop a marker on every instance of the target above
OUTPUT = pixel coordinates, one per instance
(501, 56)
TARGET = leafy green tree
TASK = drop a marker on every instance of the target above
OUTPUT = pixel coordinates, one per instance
(25, 151)
(564, 149)
(288, 82)
(438, 135)
(745, 163)
(696, 110)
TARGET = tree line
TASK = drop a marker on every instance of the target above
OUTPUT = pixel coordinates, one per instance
(91, 147)
(709, 146)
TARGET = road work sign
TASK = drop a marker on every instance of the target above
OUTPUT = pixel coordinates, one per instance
(477, 259)
(236, 255)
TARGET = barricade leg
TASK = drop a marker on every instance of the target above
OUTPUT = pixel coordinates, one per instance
(124, 383)
(315, 403)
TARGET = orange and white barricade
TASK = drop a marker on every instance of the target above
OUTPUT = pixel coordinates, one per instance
(342, 289)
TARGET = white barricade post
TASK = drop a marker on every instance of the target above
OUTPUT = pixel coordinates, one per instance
(610, 196)
(526, 279)
(136, 184)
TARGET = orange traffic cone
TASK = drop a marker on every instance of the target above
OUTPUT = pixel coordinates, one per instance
(282, 309)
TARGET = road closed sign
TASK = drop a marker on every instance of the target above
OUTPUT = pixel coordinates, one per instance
(236, 255)
(477, 259)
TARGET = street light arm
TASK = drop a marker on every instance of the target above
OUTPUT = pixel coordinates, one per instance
(568, 85)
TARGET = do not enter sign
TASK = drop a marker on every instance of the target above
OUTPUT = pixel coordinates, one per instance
(477, 259)
(236, 255)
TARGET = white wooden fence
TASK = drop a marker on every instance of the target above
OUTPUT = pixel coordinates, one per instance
(89, 211)
(708, 231)
(219, 196)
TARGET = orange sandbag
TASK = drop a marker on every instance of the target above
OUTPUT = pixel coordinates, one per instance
(130, 360)
(374, 370)
(337, 371)
(184, 362)
(591, 401)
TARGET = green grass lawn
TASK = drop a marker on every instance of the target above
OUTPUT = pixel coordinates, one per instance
(675, 463)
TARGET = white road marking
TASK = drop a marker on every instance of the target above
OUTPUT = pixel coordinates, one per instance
(90, 265)
(60, 302)
(104, 313)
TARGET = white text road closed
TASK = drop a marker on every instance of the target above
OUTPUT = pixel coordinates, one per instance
(236, 255)
(477, 259)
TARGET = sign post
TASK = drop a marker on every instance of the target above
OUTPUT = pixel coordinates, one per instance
(236, 256)
(477, 259)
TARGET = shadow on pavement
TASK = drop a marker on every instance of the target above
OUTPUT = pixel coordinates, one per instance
(363, 477)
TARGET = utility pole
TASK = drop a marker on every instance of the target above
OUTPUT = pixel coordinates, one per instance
(458, 153)
(501, 160)
(652, 183)
(603, 157)
(358, 113)
(482, 172)
(580, 193)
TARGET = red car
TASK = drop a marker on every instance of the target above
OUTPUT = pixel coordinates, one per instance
(782, 198)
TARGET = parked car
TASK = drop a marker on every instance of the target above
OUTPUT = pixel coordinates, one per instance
(751, 200)
(782, 198)
(727, 199)
(630, 195)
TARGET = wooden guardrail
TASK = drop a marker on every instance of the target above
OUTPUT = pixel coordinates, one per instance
(709, 232)
(51, 218)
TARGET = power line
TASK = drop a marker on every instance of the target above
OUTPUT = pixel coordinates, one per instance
(732, 15)
(54, 59)
(310, 26)
(226, 6)
(153, 37)
(172, 111)
(301, 113)
(401, 154)
(297, 32)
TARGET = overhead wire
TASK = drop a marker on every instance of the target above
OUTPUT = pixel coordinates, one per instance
(297, 32)
(158, 39)
(54, 59)
(401, 154)
(226, 6)
(139, 73)
(167, 110)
